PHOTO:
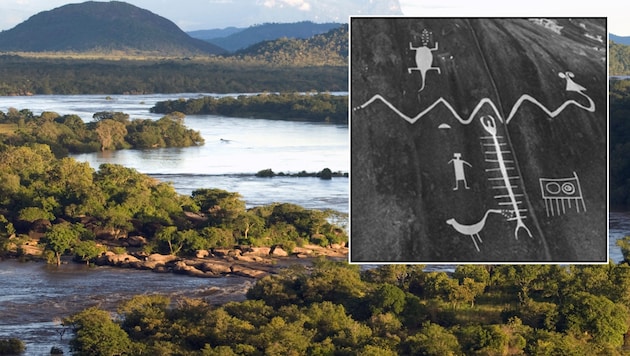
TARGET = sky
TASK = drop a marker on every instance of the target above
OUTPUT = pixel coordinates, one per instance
(192, 15)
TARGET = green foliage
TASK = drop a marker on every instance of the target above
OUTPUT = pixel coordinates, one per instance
(22, 75)
(11, 346)
(332, 309)
(432, 340)
(97, 334)
(292, 106)
(619, 59)
(108, 131)
(61, 237)
(87, 250)
(624, 245)
(619, 138)
(387, 298)
(596, 316)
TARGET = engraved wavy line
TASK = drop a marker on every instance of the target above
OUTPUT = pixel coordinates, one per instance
(517, 105)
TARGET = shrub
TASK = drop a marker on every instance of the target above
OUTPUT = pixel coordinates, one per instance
(11, 346)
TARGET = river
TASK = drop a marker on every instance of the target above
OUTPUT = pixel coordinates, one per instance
(33, 295)
(234, 150)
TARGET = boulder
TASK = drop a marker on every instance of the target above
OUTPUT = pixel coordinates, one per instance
(257, 251)
(225, 252)
(122, 260)
(248, 272)
(215, 268)
(156, 260)
(278, 252)
(136, 241)
(202, 253)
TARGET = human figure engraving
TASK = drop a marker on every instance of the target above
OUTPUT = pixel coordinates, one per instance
(458, 165)
(424, 57)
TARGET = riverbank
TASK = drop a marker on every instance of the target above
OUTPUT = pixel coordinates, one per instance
(243, 261)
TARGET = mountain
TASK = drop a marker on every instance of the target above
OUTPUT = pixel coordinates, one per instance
(271, 31)
(624, 40)
(207, 35)
(102, 27)
(330, 48)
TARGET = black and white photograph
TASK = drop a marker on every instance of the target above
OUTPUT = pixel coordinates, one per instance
(478, 140)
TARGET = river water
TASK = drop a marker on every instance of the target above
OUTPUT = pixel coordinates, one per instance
(234, 150)
(34, 296)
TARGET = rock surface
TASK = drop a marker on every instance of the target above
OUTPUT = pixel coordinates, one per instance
(255, 262)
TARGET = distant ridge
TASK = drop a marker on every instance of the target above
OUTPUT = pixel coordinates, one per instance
(102, 27)
(268, 32)
(624, 40)
(330, 48)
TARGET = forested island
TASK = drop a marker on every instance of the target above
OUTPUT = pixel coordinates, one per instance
(323, 107)
(108, 131)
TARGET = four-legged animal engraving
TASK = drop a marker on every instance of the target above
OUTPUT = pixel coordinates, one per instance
(424, 60)
(474, 229)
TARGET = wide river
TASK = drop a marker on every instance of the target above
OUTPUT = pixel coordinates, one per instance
(234, 150)
(33, 296)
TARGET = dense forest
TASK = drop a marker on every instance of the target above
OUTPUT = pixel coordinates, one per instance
(108, 131)
(65, 206)
(233, 39)
(330, 48)
(40, 75)
(293, 106)
(619, 59)
(619, 139)
(340, 309)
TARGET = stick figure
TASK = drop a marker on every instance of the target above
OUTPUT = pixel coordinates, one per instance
(458, 165)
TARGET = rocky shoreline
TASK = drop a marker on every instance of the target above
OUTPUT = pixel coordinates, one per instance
(252, 262)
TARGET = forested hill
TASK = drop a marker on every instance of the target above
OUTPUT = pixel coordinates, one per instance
(330, 48)
(101, 27)
(265, 32)
(619, 59)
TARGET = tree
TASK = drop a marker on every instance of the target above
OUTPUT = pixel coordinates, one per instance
(432, 340)
(624, 245)
(597, 316)
(144, 316)
(387, 298)
(247, 223)
(60, 238)
(111, 134)
(170, 236)
(221, 205)
(177, 241)
(12, 346)
(87, 250)
(96, 334)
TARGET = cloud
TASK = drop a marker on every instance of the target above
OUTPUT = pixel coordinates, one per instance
(298, 4)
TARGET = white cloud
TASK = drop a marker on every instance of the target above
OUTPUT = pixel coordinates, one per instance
(298, 4)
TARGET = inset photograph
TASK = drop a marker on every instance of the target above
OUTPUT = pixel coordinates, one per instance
(478, 140)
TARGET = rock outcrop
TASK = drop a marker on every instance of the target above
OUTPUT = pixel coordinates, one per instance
(251, 262)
